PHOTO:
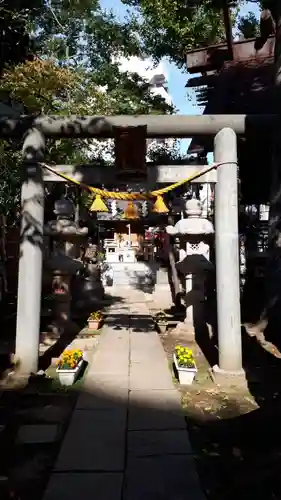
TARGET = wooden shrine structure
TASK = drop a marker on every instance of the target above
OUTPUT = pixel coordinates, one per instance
(242, 81)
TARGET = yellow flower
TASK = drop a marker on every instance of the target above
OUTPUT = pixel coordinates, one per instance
(70, 357)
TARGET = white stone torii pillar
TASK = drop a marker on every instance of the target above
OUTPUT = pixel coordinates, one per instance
(229, 369)
(30, 254)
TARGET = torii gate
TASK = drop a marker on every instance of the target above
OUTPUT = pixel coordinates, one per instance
(224, 127)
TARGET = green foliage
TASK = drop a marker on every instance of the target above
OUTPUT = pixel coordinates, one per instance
(248, 26)
(171, 27)
(9, 179)
(73, 43)
(15, 17)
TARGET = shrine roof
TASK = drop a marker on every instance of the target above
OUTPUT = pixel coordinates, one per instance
(240, 85)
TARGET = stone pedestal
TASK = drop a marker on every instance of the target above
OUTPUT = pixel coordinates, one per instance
(161, 295)
(63, 269)
(188, 299)
(194, 295)
(62, 296)
(228, 378)
(89, 290)
(64, 263)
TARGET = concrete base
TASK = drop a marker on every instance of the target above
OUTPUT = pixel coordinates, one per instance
(227, 379)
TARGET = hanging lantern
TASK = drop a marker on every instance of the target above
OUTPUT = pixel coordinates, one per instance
(98, 205)
(159, 206)
(131, 212)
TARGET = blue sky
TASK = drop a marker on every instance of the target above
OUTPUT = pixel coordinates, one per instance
(176, 79)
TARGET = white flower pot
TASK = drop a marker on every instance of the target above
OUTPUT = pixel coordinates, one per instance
(186, 375)
(68, 377)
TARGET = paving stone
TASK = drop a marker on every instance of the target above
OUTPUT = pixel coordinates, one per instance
(119, 348)
(38, 434)
(95, 441)
(158, 369)
(151, 443)
(139, 354)
(166, 478)
(149, 379)
(106, 359)
(145, 344)
(89, 486)
(115, 369)
(118, 322)
(110, 344)
(144, 359)
(48, 413)
(109, 363)
(107, 382)
(100, 400)
(120, 345)
(155, 410)
(29, 469)
(87, 344)
(158, 399)
(141, 326)
(115, 336)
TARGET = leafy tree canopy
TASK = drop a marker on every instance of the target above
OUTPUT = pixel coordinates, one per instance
(170, 27)
(60, 59)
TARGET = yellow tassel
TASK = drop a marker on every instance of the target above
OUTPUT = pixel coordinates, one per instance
(131, 211)
(98, 205)
(159, 206)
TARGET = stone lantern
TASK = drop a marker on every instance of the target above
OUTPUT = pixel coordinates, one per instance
(63, 262)
(194, 260)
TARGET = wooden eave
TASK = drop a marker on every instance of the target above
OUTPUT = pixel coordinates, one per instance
(213, 57)
(217, 88)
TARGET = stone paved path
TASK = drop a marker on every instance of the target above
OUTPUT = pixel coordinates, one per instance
(127, 439)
